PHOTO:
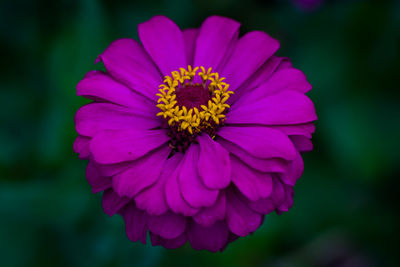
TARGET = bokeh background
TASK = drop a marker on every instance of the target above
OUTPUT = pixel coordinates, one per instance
(345, 211)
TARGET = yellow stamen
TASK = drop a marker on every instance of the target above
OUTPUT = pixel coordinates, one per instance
(193, 120)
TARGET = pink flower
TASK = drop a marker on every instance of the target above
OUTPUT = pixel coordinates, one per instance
(194, 135)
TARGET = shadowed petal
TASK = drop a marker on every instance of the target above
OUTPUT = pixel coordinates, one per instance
(135, 223)
(212, 238)
(168, 225)
(240, 219)
(173, 243)
(95, 180)
(81, 146)
(209, 215)
(112, 203)
(253, 184)
(302, 143)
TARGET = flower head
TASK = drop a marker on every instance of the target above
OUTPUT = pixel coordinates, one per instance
(194, 135)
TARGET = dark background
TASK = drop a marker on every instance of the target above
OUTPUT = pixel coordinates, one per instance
(345, 211)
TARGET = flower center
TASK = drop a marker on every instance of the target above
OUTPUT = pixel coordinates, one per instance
(191, 103)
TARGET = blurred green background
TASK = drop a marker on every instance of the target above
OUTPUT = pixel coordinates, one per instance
(345, 211)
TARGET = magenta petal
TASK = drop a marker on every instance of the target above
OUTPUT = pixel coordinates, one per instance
(244, 61)
(95, 180)
(163, 41)
(253, 184)
(259, 77)
(294, 171)
(172, 191)
(305, 129)
(209, 215)
(261, 142)
(263, 165)
(302, 143)
(214, 166)
(141, 173)
(153, 199)
(212, 238)
(193, 190)
(173, 243)
(190, 37)
(215, 36)
(93, 118)
(111, 146)
(286, 107)
(168, 225)
(100, 86)
(240, 219)
(284, 80)
(112, 203)
(81, 146)
(128, 62)
(135, 223)
(262, 206)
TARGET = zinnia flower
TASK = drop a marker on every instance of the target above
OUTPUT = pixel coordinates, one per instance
(194, 135)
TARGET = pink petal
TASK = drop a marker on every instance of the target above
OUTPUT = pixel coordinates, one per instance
(240, 219)
(209, 215)
(100, 85)
(190, 37)
(211, 238)
(141, 174)
(93, 118)
(128, 62)
(215, 37)
(286, 107)
(81, 146)
(168, 225)
(153, 199)
(253, 184)
(112, 203)
(113, 146)
(163, 41)
(135, 223)
(244, 61)
(193, 190)
(214, 166)
(95, 180)
(263, 165)
(261, 142)
(172, 191)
